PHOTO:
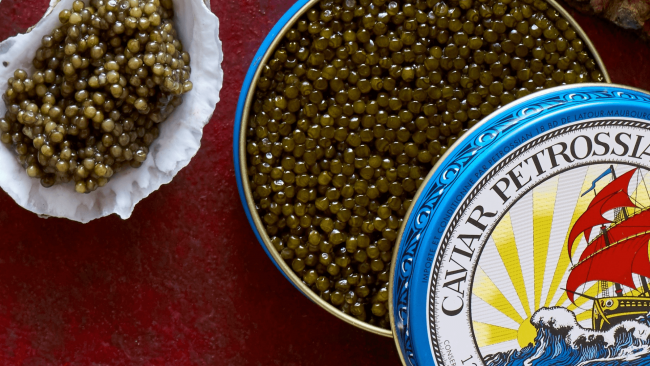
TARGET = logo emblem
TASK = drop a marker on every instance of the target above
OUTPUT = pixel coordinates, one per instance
(546, 260)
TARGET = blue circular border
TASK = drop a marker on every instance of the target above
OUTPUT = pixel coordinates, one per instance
(455, 175)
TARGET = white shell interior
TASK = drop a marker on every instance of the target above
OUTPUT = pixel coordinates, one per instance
(180, 134)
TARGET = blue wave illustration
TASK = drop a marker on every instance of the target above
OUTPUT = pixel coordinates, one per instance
(561, 341)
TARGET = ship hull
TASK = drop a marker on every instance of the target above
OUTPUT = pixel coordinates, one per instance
(609, 311)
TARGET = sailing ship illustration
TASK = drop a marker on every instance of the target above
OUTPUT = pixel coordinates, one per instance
(615, 256)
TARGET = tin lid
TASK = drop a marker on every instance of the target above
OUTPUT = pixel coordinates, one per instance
(529, 239)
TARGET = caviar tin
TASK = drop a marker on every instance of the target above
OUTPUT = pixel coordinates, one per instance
(529, 241)
(239, 146)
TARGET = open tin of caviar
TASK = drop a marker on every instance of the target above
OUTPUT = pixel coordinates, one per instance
(349, 104)
(528, 242)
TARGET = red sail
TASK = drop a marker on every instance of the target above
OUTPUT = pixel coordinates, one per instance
(641, 264)
(615, 263)
(594, 214)
(596, 245)
(619, 184)
(607, 199)
(637, 224)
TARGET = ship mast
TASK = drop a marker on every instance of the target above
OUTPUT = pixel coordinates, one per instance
(604, 285)
(644, 282)
(620, 251)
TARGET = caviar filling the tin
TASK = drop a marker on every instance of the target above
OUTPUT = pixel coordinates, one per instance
(356, 103)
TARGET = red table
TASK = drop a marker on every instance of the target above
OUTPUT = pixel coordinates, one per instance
(184, 281)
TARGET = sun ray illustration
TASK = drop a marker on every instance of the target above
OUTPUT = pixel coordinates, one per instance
(543, 206)
(504, 239)
(487, 291)
(520, 271)
(568, 191)
(521, 217)
(492, 315)
(495, 269)
(488, 334)
(585, 315)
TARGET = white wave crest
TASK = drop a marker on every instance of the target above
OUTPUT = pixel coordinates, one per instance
(559, 320)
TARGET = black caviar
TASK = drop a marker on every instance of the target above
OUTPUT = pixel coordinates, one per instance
(103, 81)
(359, 101)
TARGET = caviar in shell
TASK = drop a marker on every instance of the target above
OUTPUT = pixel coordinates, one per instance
(170, 144)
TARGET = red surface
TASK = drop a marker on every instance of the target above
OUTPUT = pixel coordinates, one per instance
(184, 281)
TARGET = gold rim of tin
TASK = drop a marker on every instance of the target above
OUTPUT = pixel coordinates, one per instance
(249, 197)
(258, 222)
(581, 33)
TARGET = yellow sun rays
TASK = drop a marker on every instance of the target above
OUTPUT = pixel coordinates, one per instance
(543, 206)
(487, 291)
(585, 315)
(504, 239)
(544, 201)
(488, 334)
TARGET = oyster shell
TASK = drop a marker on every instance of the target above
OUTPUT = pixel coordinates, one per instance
(180, 135)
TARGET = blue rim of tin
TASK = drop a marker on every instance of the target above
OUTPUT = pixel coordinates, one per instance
(438, 194)
(263, 53)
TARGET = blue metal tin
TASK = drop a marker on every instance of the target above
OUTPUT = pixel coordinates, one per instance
(529, 242)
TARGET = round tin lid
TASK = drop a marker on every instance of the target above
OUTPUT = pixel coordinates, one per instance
(529, 239)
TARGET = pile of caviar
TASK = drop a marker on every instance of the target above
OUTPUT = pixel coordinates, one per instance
(103, 81)
(359, 101)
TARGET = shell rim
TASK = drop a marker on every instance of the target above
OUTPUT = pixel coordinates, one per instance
(262, 56)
